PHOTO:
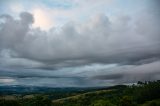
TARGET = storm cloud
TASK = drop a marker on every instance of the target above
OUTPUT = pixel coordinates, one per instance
(130, 42)
(132, 73)
(97, 41)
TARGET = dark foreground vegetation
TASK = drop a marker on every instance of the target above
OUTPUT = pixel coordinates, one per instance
(140, 94)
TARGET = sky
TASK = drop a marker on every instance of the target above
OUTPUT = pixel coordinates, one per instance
(79, 43)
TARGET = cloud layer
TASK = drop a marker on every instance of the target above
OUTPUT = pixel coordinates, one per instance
(120, 50)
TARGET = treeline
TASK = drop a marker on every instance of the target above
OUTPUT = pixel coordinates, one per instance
(38, 100)
(141, 94)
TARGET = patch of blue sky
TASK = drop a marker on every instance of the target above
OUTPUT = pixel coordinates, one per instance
(60, 4)
(3, 8)
(131, 6)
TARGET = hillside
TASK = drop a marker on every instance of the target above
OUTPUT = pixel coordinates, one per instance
(141, 94)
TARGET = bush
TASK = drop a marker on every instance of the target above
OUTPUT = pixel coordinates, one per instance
(126, 101)
(102, 103)
(9, 103)
(152, 103)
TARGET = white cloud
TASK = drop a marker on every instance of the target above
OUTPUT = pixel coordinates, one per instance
(6, 80)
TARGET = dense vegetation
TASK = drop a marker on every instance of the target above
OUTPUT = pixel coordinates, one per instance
(140, 94)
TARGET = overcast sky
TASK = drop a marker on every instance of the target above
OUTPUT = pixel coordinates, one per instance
(79, 43)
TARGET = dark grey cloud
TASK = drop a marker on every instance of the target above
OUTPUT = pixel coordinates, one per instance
(133, 73)
(109, 77)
